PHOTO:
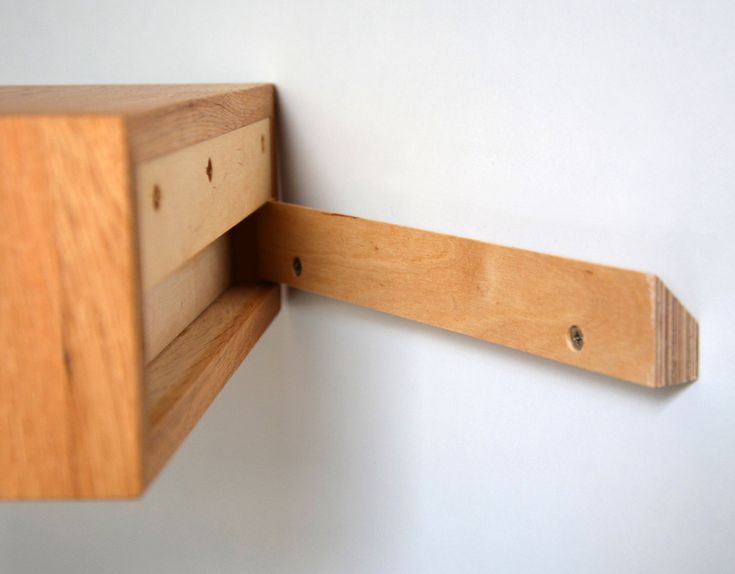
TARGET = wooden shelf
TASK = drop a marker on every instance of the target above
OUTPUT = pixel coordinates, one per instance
(141, 249)
(120, 315)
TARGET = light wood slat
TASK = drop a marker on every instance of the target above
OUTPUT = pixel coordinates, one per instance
(187, 199)
(186, 377)
(175, 302)
(632, 327)
(70, 396)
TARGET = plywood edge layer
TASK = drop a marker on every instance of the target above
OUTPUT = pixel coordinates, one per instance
(187, 199)
(677, 336)
(186, 377)
(594, 317)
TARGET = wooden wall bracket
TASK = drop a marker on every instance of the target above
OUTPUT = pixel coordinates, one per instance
(612, 321)
(141, 252)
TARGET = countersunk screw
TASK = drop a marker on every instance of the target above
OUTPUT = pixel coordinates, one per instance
(156, 197)
(576, 338)
(296, 266)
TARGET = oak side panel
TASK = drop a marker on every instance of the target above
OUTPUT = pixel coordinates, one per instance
(184, 379)
(520, 299)
(70, 378)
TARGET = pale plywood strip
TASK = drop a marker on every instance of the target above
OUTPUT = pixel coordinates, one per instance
(184, 379)
(175, 302)
(520, 299)
(187, 199)
(70, 378)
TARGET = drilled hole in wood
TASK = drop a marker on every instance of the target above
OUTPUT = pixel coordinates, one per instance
(156, 197)
(296, 266)
(209, 169)
(576, 338)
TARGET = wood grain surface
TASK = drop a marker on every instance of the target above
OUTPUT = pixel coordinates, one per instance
(613, 321)
(70, 378)
(159, 119)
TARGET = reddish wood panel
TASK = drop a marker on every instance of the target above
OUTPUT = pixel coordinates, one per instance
(70, 394)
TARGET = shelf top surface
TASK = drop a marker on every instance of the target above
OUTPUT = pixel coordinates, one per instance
(112, 99)
(158, 119)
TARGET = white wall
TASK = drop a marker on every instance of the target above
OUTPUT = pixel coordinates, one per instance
(354, 442)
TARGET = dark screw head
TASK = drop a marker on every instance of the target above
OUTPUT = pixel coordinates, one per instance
(156, 197)
(576, 338)
(296, 266)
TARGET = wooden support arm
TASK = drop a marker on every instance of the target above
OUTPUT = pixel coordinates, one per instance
(617, 322)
